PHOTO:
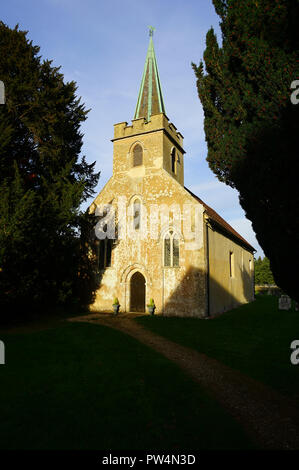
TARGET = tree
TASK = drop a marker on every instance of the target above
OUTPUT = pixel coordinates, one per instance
(251, 125)
(262, 272)
(43, 180)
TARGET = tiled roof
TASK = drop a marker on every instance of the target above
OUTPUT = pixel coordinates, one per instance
(220, 221)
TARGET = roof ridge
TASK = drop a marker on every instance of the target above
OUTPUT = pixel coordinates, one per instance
(218, 219)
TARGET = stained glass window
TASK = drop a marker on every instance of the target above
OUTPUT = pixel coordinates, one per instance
(167, 259)
(171, 250)
(176, 251)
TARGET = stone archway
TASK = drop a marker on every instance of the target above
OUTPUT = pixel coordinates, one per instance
(137, 292)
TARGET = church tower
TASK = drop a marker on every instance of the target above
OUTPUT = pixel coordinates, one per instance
(151, 142)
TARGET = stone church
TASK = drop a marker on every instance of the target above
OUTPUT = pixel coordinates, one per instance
(168, 244)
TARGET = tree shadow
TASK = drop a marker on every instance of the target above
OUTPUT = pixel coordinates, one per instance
(92, 266)
(190, 299)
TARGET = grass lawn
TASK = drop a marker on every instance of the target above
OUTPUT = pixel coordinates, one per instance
(82, 386)
(254, 338)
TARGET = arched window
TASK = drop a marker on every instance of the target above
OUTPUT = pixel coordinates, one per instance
(171, 250)
(136, 214)
(137, 155)
(173, 160)
(104, 253)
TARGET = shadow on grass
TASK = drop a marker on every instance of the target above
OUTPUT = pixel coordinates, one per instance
(254, 339)
(89, 387)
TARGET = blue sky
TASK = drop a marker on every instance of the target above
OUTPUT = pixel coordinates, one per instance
(102, 44)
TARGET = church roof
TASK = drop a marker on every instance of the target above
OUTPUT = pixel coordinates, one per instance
(220, 221)
(150, 99)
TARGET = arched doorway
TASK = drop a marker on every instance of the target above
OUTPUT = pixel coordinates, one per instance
(137, 291)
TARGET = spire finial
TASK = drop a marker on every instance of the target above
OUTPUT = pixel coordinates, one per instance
(151, 30)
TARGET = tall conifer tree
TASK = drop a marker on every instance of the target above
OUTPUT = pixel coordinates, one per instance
(251, 125)
(43, 179)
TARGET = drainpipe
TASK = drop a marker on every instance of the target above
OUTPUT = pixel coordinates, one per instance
(163, 271)
(208, 269)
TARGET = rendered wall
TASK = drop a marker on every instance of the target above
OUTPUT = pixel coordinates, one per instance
(175, 290)
(226, 291)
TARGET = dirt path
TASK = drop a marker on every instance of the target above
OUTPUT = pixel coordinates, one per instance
(270, 419)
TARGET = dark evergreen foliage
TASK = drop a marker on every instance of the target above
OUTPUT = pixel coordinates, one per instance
(251, 126)
(43, 181)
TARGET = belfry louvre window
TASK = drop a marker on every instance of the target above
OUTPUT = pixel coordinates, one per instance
(137, 155)
(104, 253)
(171, 250)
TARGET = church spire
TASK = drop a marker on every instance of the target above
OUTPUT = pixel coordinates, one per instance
(150, 99)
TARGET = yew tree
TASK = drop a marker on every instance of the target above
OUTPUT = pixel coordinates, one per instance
(43, 179)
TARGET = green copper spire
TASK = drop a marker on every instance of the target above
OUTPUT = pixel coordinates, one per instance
(150, 99)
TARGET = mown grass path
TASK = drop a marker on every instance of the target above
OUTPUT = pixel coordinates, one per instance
(268, 418)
